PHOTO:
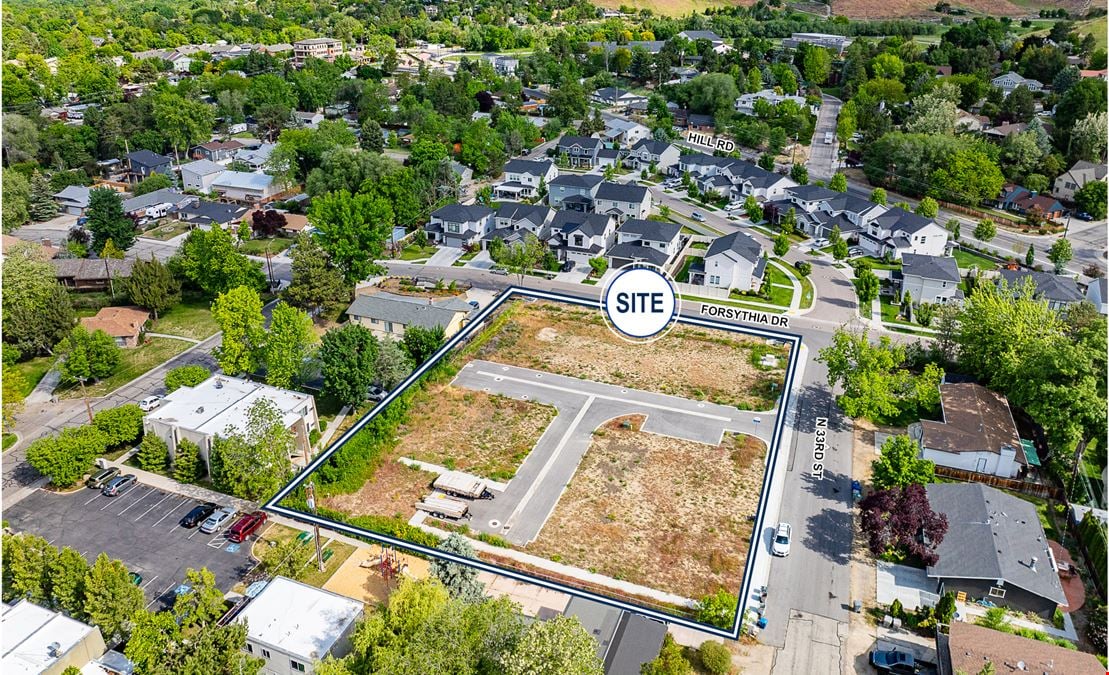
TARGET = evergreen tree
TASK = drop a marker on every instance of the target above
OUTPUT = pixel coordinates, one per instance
(1030, 256)
(108, 221)
(153, 286)
(42, 206)
(186, 462)
(153, 454)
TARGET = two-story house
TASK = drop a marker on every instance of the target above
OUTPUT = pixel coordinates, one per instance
(1076, 178)
(622, 200)
(216, 151)
(522, 178)
(144, 163)
(460, 225)
(647, 152)
(624, 132)
(577, 237)
(718, 44)
(1058, 290)
(513, 221)
(573, 191)
(614, 96)
(818, 211)
(200, 175)
(580, 152)
(897, 231)
(1011, 80)
(930, 279)
(749, 179)
(734, 262)
(650, 241)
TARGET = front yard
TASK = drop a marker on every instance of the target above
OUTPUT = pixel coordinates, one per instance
(414, 252)
(192, 318)
(32, 371)
(134, 362)
(967, 259)
(261, 247)
(166, 229)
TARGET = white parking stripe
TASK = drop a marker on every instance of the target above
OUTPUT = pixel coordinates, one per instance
(167, 513)
(149, 582)
(195, 532)
(93, 498)
(167, 590)
(168, 495)
(145, 495)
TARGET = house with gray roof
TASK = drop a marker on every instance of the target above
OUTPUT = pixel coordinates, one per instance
(1059, 291)
(580, 152)
(200, 175)
(622, 200)
(174, 198)
(929, 279)
(624, 132)
(388, 315)
(522, 178)
(144, 163)
(615, 96)
(573, 191)
(1097, 294)
(204, 214)
(651, 241)
(625, 640)
(460, 225)
(73, 199)
(576, 237)
(995, 549)
(255, 158)
(734, 262)
(245, 186)
(1076, 178)
(514, 221)
(896, 231)
(649, 152)
(977, 433)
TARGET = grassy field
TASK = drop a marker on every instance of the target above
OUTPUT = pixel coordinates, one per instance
(192, 319)
(135, 362)
(414, 252)
(263, 246)
(32, 371)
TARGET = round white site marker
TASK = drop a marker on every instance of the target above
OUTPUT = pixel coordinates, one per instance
(640, 304)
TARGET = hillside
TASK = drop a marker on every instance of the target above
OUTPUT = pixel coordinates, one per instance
(867, 9)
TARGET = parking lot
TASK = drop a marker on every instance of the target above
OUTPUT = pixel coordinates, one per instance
(140, 528)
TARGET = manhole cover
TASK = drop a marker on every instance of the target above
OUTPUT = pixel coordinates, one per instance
(494, 523)
(497, 379)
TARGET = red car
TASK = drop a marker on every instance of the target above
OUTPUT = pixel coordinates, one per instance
(246, 526)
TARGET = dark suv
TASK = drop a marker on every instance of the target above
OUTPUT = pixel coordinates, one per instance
(198, 515)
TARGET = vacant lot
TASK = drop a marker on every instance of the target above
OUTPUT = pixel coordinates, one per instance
(471, 431)
(691, 362)
(658, 511)
(393, 491)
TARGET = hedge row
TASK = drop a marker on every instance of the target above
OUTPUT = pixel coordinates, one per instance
(1093, 537)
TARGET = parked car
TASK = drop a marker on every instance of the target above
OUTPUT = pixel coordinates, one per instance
(782, 537)
(820, 243)
(217, 520)
(734, 206)
(98, 479)
(198, 515)
(827, 137)
(893, 662)
(698, 216)
(246, 526)
(499, 271)
(567, 266)
(375, 393)
(1082, 215)
(149, 403)
(118, 485)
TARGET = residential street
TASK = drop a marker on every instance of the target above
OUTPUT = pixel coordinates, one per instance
(823, 157)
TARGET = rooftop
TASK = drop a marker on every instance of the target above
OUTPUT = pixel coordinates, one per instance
(975, 420)
(651, 230)
(299, 618)
(622, 192)
(735, 246)
(243, 180)
(462, 213)
(967, 648)
(1053, 287)
(34, 637)
(222, 402)
(117, 321)
(203, 167)
(407, 310)
(930, 267)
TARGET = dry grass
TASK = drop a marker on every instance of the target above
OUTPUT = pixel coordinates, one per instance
(659, 511)
(393, 491)
(691, 362)
(472, 431)
(399, 286)
(887, 9)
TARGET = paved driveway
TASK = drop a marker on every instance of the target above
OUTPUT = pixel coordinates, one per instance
(481, 261)
(519, 513)
(140, 527)
(444, 257)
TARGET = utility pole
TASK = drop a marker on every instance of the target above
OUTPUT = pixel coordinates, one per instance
(311, 490)
(84, 394)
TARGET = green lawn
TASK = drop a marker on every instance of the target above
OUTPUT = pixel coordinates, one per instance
(263, 246)
(733, 303)
(879, 264)
(192, 319)
(683, 274)
(167, 230)
(890, 311)
(32, 371)
(413, 252)
(807, 289)
(9, 440)
(339, 553)
(966, 259)
(135, 362)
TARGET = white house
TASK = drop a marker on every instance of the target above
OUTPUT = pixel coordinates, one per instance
(200, 175)
(1076, 178)
(977, 432)
(622, 200)
(580, 151)
(718, 44)
(897, 231)
(522, 178)
(513, 221)
(650, 241)
(930, 279)
(255, 158)
(624, 132)
(244, 186)
(648, 151)
(577, 237)
(1098, 295)
(614, 96)
(1011, 80)
(745, 104)
(201, 413)
(292, 626)
(734, 262)
(308, 119)
(460, 225)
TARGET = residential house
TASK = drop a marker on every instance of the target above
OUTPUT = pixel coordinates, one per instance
(897, 231)
(293, 626)
(1100, 74)
(1098, 295)
(649, 46)
(1011, 80)
(514, 221)
(460, 225)
(965, 121)
(87, 274)
(205, 214)
(1003, 131)
(1020, 199)
(995, 549)
(44, 249)
(614, 96)
(649, 152)
(200, 174)
(718, 44)
(201, 413)
(308, 119)
(125, 325)
(625, 640)
(388, 315)
(326, 49)
(734, 262)
(1076, 177)
(1059, 291)
(580, 152)
(622, 200)
(650, 241)
(608, 157)
(144, 163)
(244, 186)
(836, 43)
(623, 132)
(40, 641)
(161, 201)
(255, 158)
(733, 178)
(682, 74)
(522, 178)
(745, 104)
(967, 648)
(216, 151)
(977, 433)
(929, 279)
(73, 199)
(573, 191)
(576, 237)
(502, 65)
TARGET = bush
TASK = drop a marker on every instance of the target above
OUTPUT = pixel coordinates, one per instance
(313, 437)
(718, 609)
(670, 660)
(945, 608)
(153, 455)
(716, 658)
(186, 376)
(1096, 628)
(186, 462)
(804, 268)
(1092, 534)
(65, 458)
(122, 425)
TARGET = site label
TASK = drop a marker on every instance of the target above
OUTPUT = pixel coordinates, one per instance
(640, 303)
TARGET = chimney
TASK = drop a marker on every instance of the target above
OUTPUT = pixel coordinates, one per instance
(1032, 563)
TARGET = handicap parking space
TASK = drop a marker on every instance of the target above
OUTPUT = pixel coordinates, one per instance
(140, 527)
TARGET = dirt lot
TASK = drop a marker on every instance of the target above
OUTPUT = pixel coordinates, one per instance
(659, 511)
(473, 432)
(393, 491)
(691, 362)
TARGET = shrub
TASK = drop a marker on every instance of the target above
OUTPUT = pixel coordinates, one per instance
(313, 437)
(804, 268)
(186, 462)
(153, 455)
(186, 376)
(122, 425)
(896, 609)
(945, 608)
(718, 609)
(716, 658)
(65, 458)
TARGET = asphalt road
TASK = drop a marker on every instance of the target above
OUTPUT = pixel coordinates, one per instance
(519, 513)
(139, 527)
(823, 156)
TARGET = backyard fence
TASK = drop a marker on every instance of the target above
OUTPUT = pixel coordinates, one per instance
(1022, 486)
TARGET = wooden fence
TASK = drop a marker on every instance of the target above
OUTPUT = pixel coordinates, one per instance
(1023, 486)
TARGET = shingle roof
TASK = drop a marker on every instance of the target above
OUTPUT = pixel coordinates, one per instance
(462, 213)
(148, 158)
(651, 146)
(1052, 287)
(117, 321)
(86, 269)
(528, 166)
(78, 194)
(407, 311)
(812, 193)
(990, 536)
(622, 192)
(203, 167)
(633, 250)
(975, 420)
(701, 35)
(569, 141)
(966, 648)
(898, 218)
(637, 641)
(930, 267)
(575, 180)
(165, 195)
(515, 211)
(589, 224)
(212, 212)
(651, 230)
(736, 244)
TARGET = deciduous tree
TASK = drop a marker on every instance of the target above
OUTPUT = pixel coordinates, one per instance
(420, 343)
(899, 465)
(238, 312)
(208, 259)
(554, 647)
(121, 425)
(186, 376)
(1060, 254)
(111, 600)
(87, 355)
(318, 286)
(347, 357)
(353, 230)
(153, 455)
(894, 519)
(288, 345)
(37, 311)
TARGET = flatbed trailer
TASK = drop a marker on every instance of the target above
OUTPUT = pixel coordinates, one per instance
(461, 484)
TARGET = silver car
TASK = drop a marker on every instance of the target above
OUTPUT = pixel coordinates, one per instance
(218, 520)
